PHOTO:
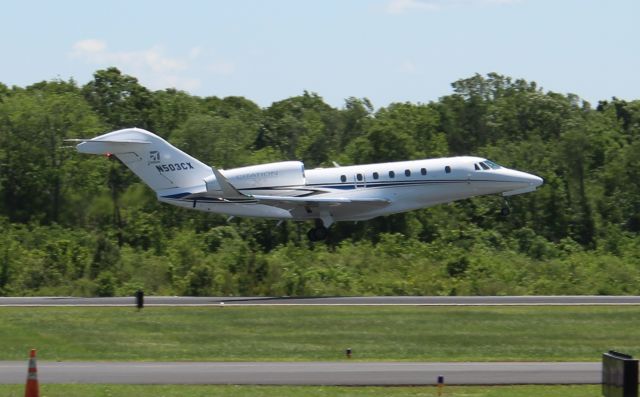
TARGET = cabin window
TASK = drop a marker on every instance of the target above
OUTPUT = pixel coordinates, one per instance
(423, 171)
(484, 166)
(476, 167)
(392, 174)
(407, 172)
(375, 175)
(359, 177)
(343, 178)
(447, 169)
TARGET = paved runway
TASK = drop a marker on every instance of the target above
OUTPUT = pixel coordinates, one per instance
(305, 373)
(372, 300)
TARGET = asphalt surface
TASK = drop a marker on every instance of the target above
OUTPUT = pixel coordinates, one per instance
(304, 373)
(372, 300)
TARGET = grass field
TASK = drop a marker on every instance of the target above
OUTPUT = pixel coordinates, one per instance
(298, 391)
(575, 333)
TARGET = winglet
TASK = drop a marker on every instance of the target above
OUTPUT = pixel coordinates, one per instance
(228, 190)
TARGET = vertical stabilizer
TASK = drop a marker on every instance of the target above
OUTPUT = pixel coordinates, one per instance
(158, 163)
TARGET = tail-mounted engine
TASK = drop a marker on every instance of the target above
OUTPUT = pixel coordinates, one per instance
(272, 175)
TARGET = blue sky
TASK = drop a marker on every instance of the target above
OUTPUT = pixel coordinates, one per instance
(384, 50)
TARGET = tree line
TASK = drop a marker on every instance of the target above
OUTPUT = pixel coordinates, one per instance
(72, 224)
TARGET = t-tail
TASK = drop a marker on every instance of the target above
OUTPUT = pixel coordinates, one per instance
(159, 164)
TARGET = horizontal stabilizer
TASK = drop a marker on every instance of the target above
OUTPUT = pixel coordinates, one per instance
(107, 141)
(91, 146)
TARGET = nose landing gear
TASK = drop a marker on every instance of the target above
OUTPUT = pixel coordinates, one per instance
(506, 209)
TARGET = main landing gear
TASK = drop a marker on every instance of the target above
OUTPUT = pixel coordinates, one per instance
(318, 233)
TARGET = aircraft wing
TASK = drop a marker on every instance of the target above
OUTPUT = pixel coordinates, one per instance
(288, 202)
(317, 201)
(301, 207)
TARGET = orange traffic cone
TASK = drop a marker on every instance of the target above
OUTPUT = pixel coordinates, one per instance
(32, 389)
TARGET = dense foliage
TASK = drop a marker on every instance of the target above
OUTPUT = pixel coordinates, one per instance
(85, 225)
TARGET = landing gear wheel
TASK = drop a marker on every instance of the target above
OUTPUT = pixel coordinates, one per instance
(311, 235)
(318, 233)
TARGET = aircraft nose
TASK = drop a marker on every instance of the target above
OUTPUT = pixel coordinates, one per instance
(524, 179)
(536, 180)
(521, 182)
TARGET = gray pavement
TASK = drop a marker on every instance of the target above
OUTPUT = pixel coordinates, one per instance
(356, 300)
(304, 373)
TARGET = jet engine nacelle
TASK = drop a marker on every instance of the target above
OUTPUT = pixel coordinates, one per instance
(286, 173)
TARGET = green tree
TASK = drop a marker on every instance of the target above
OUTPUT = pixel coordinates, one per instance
(119, 99)
(35, 169)
(301, 128)
(216, 140)
(171, 108)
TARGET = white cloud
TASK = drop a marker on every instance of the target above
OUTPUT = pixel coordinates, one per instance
(402, 6)
(153, 59)
(151, 65)
(89, 46)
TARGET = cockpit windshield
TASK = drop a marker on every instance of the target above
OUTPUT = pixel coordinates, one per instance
(487, 165)
(493, 165)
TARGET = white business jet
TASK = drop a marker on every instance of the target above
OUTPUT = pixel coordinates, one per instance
(285, 190)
